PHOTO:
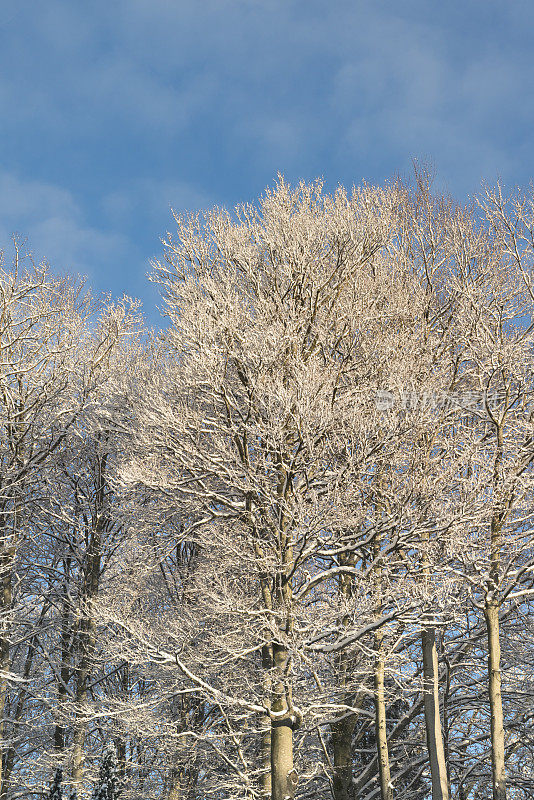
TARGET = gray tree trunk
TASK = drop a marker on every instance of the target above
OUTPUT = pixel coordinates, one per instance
(6, 596)
(498, 768)
(386, 789)
(283, 774)
(266, 735)
(342, 751)
(434, 735)
(491, 615)
(343, 729)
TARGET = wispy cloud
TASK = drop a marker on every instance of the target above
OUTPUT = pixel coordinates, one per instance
(120, 110)
(282, 79)
(55, 227)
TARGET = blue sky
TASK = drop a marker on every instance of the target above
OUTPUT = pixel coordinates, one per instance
(112, 112)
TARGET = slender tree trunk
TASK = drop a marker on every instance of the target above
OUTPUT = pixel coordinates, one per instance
(445, 706)
(342, 750)
(60, 730)
(498, 769)
(464, 788)
(434, 731)
(343, 729)
(87, 645)
(266, 734)
(87, 634)
(122, 742)
(434, 735)
(11, 753)
(7, 560)
(6, 596)
(283, 775)
(386, 789)
(464, 792)
(384, 771)
(83, 673)
(491, 615)
(267, 664)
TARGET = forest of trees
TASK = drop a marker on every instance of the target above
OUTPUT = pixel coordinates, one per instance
(283, 547)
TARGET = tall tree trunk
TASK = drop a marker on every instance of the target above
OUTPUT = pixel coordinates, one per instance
(386, 789)
(6, 597)
(434, 731)
(384, 771)
(122, 742)
(87, 643)
(7, 560)
(465, 787)
(498, 769)
(86, 646)
(283, 775)
(266, 734)
(342, 750)
(267, 664)
(491, 615)
(60, 730)
(87, 633)
(434, 735)
(11, 753)
(343, 729)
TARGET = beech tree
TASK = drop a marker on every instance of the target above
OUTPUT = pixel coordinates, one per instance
(263, 429)
(55, 343)
(282, 548)
(42, 325)
(261, 434)
(244, 433)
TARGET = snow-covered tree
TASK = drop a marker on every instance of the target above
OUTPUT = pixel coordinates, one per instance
(285, 548)
(56, 790)
(261, 433)
(108, 784)
(327, 532)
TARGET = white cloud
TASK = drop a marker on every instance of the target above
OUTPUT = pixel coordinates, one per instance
(51, 220)
(247, 87)
(281, 79)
